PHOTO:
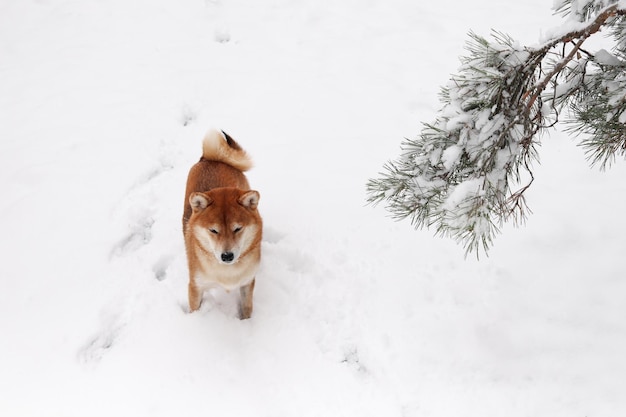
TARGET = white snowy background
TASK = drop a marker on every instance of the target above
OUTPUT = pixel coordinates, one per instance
(103, 105)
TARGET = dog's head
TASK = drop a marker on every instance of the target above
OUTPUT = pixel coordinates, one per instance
(226, 222)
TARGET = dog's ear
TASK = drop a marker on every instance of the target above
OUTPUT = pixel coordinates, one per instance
(249, 199)
(199, 201)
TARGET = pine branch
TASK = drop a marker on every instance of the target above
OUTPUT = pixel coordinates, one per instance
(581, 35)
(458, 175)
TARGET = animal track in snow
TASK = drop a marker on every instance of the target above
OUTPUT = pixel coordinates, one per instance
(351, 358)
(140, 235)
(222, 36)
(161, 265)
(188, 115)
(93, 351)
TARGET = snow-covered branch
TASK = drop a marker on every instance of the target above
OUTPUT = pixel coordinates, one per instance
(467, 171)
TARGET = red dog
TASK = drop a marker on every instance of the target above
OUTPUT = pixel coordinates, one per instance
(221, 223)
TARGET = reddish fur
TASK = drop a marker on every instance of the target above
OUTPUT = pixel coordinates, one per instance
(230, 202)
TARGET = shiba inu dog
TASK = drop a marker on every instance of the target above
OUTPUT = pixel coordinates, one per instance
(221, 224)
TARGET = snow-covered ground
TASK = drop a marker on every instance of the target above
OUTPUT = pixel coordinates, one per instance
(102, 109)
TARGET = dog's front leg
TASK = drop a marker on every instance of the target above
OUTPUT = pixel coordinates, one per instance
(195, 297)
(245, 300)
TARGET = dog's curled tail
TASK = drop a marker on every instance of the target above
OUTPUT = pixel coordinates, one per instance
(219, 146)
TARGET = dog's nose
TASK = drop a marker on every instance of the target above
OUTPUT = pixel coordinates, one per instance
(228, 257)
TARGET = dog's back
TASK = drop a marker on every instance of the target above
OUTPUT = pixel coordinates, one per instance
(222, 164)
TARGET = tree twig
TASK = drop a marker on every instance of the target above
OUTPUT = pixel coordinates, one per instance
(582, 36)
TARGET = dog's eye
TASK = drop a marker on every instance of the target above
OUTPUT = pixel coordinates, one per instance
(237, 229)
(215, 232)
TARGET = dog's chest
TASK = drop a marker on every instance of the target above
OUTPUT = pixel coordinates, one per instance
(211, 273)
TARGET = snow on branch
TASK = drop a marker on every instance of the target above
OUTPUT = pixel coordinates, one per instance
(466, 172)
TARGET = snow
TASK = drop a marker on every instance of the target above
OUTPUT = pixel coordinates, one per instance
(450, 157)
(462, 192)
(103, 106)
(604, 57)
